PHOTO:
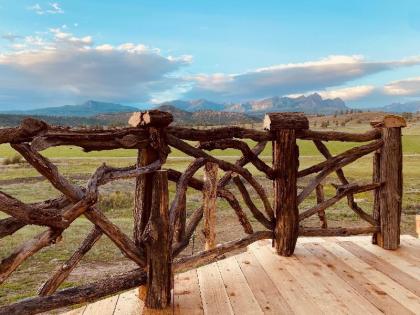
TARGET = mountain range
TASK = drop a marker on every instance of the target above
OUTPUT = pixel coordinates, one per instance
(201, 111)
(87, 109)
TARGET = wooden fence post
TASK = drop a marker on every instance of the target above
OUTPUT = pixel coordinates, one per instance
(209, 204)
(390, 174)
(285, 165)
(158, 245)
(144, 182)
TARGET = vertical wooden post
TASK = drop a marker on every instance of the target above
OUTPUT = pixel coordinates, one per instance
(376, 178)
(390, 193)
(320, 198)
(285, 165)
(209, 204)
(158, 245)
(144, 182)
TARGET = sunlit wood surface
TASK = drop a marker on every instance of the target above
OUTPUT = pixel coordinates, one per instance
(325, 276)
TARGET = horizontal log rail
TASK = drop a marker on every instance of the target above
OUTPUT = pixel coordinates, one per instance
(162, 229)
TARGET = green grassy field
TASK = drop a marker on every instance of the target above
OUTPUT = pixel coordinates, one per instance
(117, 199)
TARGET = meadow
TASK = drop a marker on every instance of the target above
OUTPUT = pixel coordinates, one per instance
(116, 200)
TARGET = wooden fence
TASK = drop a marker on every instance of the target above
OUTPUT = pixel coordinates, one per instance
(161, 227)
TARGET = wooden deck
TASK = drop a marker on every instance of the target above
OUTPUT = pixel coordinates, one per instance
(325, 276)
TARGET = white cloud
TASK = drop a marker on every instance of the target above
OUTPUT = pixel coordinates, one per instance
(292, 78)
(406, 87)
(52, 8)
(68, 68)
(349, 93)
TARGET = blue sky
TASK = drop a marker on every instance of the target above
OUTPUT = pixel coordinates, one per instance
(141, 52)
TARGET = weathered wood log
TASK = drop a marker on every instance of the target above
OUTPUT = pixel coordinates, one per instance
(91, 140)
(209, 204)
(30, 214)
(193, 222)
(28, 128)
(243, 147)
(338, 136)
(181, 189)
(159, 246)
(240, 214)
(217, 253)
(52, 284)
(226, 166)
(250, 204)
(75, 193)
(340, 174)
(242, 162)
(351, 189)
(151, 118)
(285, 165)
(77, 295)
(389, 121)
(143, 194)
(361, 150)
(376, 177)
(9, 226)
(218, 134)
(27, 249)
(334, 165)
(309, 231)
(320, 198)
(277, 121)
(391, 192)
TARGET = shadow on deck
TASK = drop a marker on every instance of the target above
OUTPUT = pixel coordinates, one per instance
(325, 276)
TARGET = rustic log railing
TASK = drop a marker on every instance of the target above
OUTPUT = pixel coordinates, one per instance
(161, 227)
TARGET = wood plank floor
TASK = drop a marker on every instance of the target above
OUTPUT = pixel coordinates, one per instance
(345, 275)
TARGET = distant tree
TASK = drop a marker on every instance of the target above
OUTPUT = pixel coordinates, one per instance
(407, 116)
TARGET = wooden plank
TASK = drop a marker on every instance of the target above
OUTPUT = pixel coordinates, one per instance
(358, 282)
(383, 266)
(413, 245)
(400, 258)
(213, 293)
(129, 303)
(269, 298)
(187, 299)
(320, 294)
(398, 292)
(312, 239)
(355, 303)
(296, 297)
(240, 295)
(102, 307)
(77, 311)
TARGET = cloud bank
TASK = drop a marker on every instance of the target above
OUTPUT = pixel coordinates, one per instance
(292, 78)
(67, 67)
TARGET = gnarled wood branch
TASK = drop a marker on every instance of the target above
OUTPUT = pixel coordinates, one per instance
(75, 193)
(52, 284)
(82, 294)
(334, 165)
(248, 201)
(208, 256)
(244, 148)
(350, 189)
(226, 166)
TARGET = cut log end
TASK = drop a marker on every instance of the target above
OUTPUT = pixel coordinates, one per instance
(152, 118)
(292, 120)
(389, 121)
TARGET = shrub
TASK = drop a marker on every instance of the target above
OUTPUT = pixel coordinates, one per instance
(16, 159)
(116, 200)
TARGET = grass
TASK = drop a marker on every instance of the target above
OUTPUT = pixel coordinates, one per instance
(116, 200)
